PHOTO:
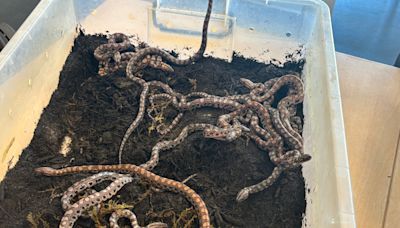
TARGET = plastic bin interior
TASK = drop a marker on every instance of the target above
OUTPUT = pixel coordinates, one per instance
(31, 62)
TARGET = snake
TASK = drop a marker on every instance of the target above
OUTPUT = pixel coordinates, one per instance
(142, 103)
(256, 107)
(283, 160)
(169, 144)
(140, 114)
(285, 115)
(82, 205)
(205, 100)
(117, 43)
(85, 184)
(118, 214)
(286, 106)
(157, 181)
(171, 126)
(134, 67)
(290, 160)
(264, 92)
(245, 192)
(226, 134)
(284, 128)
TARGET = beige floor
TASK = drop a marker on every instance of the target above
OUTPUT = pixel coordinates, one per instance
(371, 103)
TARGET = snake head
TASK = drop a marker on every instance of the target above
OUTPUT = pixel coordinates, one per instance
(44, 170)
(250, 85)
(243, 195)
(293, 159)
(247, 83)
(304, 158)
(229, 134)
(233, 134)
(157, 225)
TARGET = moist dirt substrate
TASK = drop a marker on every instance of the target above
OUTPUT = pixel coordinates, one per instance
(96, 111)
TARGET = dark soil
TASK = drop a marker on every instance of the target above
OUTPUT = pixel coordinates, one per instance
(96, 111)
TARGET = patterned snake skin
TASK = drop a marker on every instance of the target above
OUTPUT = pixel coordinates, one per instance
(114, 56)
(116, 43)
(116, 215)
(227, 134)
(76, 210)
(159, 182)
(88, 183)
(85, 184)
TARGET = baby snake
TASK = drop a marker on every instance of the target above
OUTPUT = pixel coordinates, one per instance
(116, 215)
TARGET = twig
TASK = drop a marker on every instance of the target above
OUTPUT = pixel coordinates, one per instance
(188, 178)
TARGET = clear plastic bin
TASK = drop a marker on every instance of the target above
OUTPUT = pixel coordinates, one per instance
(266, 30)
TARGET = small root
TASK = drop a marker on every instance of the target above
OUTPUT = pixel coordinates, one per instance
(185, 218)
(36, 219)
(157, 119)
(188, 178)
(53, 193)
(193, 83)
(167, 214)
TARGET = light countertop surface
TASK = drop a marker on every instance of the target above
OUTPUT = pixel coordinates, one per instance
(371, 107)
